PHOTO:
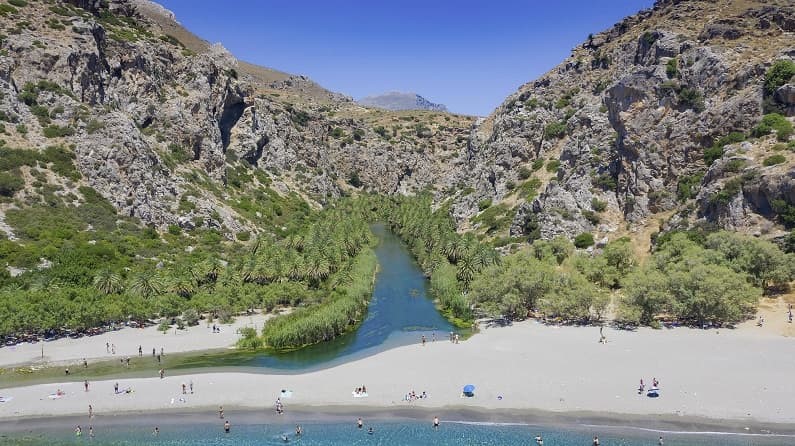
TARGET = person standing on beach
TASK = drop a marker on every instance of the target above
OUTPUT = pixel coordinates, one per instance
(85, 363)
(436, 423)
(162, 373)
(113, 349)
(107, 347)
(153, 352)
(161, 352)
(90, 411)
(423, 340)
(359, 423)
(191, 387)
(116, 388)
(221, 412)
(85, 384)
(184, 389)
(140, 351)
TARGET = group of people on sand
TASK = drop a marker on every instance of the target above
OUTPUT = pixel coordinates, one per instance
(360, 391)
(413, 396)
(655, 384)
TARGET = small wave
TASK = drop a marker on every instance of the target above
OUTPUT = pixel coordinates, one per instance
(488, 423)
(672, 432)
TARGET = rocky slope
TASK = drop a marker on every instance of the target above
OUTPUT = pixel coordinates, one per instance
(623, 123)
(168, 131)
(401, 101)
(175, 131)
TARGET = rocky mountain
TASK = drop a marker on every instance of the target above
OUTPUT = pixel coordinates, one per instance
(673, 118)
(401, 101)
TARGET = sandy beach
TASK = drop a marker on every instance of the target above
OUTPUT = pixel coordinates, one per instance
(743, 376)
(125, 342)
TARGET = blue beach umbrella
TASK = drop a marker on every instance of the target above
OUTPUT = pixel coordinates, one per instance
(469, 388)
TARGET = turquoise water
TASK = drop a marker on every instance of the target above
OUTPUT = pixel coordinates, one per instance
(400, 312)
(393, 433)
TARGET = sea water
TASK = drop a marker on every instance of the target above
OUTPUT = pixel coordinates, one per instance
(386, 432)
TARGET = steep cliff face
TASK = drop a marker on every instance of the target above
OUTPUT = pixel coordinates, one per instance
(654, 119)
(628, 116)
(155, 123)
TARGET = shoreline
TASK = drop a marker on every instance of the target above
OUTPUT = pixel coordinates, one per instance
(529, 369)
(656, 423)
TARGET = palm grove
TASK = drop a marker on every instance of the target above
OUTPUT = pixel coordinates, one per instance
(323, 267)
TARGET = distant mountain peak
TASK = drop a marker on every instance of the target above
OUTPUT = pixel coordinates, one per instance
(396, 100)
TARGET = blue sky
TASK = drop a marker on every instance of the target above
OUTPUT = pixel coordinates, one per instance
(468, 55)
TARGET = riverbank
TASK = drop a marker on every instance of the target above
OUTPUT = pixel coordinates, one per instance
(123, 343)
(738, 376)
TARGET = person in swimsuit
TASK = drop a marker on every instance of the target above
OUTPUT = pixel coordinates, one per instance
(436, 422)
(359, 423)
(227, 426)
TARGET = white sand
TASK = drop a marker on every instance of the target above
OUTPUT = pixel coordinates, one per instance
(126, 341)
(731, 375)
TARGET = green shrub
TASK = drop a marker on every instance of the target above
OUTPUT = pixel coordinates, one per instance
(524, 173)
(22, 129)
(716, 150)
(779, 74)
(358, 134)
(687, 187)
(94, 126)
(243, 236)
(606, 181)
(730, 190)
(56, 131)
(598, 205)
(7, 9)
(583, 240)
(10, 183)
(785, 211)
(337, 133)
(529, 189)
(174, 230)
(538, 163)
(771, 122)
(773, 160)
(555, 130)
(354, 180)
(671, 68)
(592, 217)
(553, 165)
(484, 204)
(691, 98)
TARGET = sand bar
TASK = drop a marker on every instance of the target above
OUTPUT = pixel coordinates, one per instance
(737, 375)
(126, 342)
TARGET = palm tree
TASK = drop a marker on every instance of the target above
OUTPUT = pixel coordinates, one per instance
(146, 284)
(182, 286)
(108, 282)
(466, 271)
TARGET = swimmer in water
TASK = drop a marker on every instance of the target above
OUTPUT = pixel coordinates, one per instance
(227, 426)
(156, 432)
(298, 430)
(539, 440)
(370, 431)
(285, 438)
(78, 431)
(359, 423)
(436, 422)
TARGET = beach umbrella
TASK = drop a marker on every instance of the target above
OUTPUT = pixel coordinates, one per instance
(469, 388)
